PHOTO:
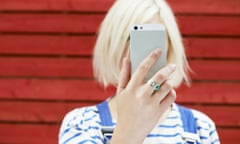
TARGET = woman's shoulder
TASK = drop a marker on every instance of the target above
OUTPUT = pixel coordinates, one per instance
(205, 127)
(198, 115)
(81, 115)
(83, 118)
(82, 121)
(202, 118)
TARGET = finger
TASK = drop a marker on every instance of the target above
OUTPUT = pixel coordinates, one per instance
(167, 101)
(165, 89)
(160, 77)
(144, 67)
(164, 73)
(124, 75)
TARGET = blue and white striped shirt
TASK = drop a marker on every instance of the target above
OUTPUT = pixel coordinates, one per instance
(83, 126)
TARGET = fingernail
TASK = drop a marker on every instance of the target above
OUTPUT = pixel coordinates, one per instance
(126, 60)
(173, 66)
(157, 50)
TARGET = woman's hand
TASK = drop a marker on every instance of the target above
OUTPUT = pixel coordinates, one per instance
(139, 107)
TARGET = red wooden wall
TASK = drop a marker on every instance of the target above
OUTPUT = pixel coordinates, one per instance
(45, 63)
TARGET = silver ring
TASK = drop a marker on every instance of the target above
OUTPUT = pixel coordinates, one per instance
(156, 86)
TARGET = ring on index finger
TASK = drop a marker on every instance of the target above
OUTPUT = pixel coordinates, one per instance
(156, 86)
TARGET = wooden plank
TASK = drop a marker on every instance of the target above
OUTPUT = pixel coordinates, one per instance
(209, 92)
(53, 112)
(83, 45)
(87, 90)
(185, 6)
(215, 69)
(54, 23)
(53, 5)
(35, 89)
(209, 25)
(222, 115)
(46, 67)
(37, 112)
(30, 134)
(229, 136)
(206, 6)
(47, 44)
(212, 47)
(88, 23)
(82, 68)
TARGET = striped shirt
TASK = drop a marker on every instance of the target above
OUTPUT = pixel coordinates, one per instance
(83, 126)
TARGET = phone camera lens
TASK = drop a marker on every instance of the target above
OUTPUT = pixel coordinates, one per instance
(135, 28)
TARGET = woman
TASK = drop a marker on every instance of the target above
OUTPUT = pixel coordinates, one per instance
(138, 113)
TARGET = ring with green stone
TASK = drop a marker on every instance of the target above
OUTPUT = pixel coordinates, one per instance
(154, 85)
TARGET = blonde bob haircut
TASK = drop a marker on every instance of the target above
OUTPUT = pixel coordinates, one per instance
(112, 42)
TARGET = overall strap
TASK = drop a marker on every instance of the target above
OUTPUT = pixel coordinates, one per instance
(106, 121)
(188, 120)
(189, 125)
(104, 113)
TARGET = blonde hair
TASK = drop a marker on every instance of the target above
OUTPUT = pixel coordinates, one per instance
(111, 45)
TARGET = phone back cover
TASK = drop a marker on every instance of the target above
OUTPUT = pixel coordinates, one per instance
(143, 42)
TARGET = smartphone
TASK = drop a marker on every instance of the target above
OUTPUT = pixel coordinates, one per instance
(144, 38)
